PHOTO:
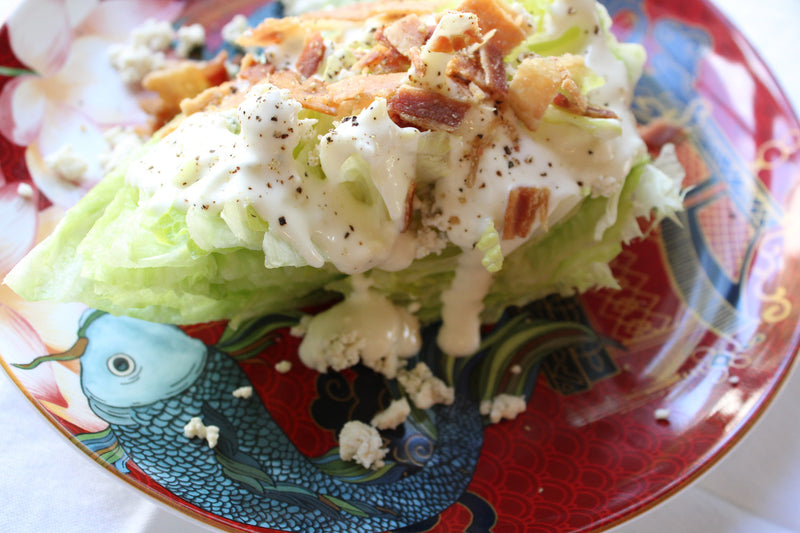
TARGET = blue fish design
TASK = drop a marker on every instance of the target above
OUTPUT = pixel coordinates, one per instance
(148, 380)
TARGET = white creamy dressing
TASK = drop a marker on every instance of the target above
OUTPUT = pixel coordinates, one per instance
(387, 151)
(353, 217)
(365, 326)
(462, 304)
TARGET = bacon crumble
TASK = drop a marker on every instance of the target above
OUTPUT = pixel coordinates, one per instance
(484, 68)
(524, 205)
(425, 109)
(476, 72)
(412, 188)
(311, 55)
(404, 34)
(382, 59)
(583, 108)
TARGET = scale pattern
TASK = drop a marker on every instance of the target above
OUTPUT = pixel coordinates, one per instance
(291, 493)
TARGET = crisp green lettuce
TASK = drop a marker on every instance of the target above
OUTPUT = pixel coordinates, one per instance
(111, 254)
(489, 244)
(601, 128)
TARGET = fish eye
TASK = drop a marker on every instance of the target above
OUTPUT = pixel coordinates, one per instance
(121, 364)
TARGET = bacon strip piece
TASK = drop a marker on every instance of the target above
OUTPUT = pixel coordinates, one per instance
(496, 82)
(311, 55)
(524, 205)
(353, 94)
(412, 188)
(466, 68)
(485, 69)
(425, 109)
(479, 144)
(497, 15)
(382, 60)
(404, 34)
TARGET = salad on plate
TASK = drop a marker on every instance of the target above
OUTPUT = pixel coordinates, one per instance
(406, 161)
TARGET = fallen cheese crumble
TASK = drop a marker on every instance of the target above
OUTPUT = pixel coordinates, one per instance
(196, 428)
(243, 392)
(362, 443)
(25, 190)
(503, 407)
(68, 165)
(425, 389)
(283, 366)
(392, 416)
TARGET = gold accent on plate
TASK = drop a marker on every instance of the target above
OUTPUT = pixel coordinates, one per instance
(779, 307)
(784, 148)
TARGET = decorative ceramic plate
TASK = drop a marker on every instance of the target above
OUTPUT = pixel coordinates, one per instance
(633, 393)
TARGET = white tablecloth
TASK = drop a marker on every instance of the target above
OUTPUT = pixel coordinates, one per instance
(46, 484)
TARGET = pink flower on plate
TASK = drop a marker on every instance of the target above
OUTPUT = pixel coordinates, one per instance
(72, 93)
(18, 217)
(31, 329)
(54, 384)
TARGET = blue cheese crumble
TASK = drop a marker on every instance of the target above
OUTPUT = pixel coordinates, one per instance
(362, 443)
(196, 428)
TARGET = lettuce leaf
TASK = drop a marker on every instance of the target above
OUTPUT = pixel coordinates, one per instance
(111, 254)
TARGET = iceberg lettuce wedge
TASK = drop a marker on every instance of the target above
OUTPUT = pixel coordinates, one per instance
(352, 192)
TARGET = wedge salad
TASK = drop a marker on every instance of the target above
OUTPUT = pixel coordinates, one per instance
(426, 160)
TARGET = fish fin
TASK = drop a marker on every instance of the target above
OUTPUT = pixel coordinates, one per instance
(251, 337)
(357, 508)
(235, 463)
(104, 444)
(252, 477)
(510, 355)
